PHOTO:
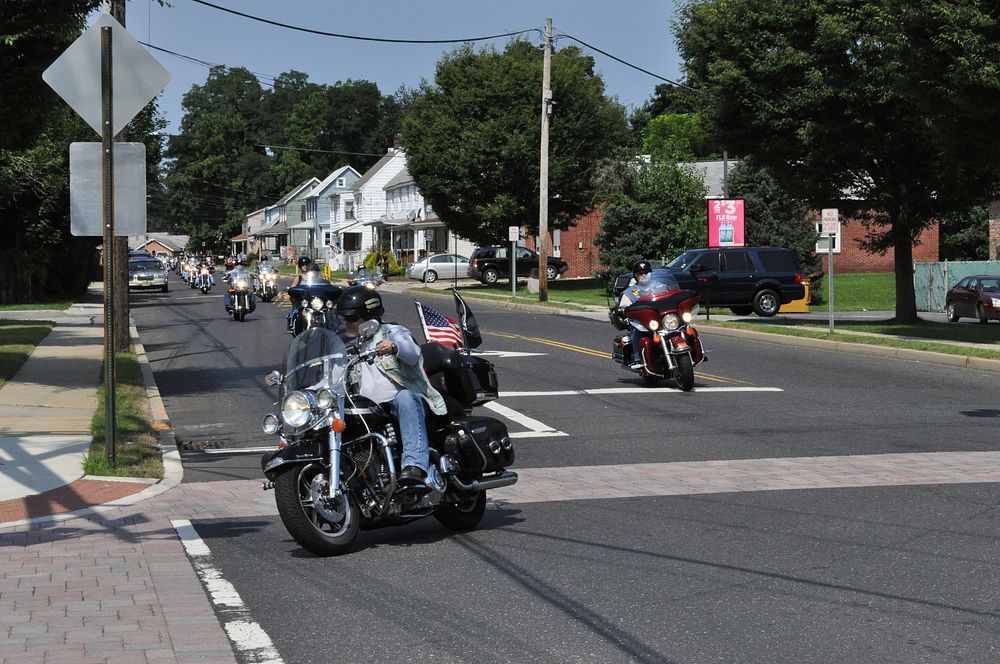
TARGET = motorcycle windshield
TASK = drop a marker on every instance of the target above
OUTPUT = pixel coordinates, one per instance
(317, 358)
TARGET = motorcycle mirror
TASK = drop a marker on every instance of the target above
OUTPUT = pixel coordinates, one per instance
(367, 330)
(274, 378)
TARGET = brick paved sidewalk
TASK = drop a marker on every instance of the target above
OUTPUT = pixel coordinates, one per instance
(117, 586)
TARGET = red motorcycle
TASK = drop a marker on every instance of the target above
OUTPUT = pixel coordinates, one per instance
(669, 346)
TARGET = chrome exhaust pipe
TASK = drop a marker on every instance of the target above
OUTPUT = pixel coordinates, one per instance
(505, 478)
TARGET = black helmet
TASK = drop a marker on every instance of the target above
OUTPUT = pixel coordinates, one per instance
(304, 260)
(642, 267)
(360, 302)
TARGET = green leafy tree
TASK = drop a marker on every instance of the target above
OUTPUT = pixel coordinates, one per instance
(667, 99)
(891, 100)
(774, 217)
(472, 138)
(677, 137)
(964, 235)
(653, 210)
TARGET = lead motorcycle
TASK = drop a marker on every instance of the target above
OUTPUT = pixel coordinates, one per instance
(313, 302)
(336, 467)
(669, 345)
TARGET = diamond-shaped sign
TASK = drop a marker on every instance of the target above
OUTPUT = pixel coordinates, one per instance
(136, 77)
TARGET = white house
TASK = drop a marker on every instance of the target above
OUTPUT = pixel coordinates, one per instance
(325, 212)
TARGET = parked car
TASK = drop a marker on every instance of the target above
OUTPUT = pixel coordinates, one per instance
(146, 273)
(490, 264)
(974, 297)
(744, 279)
(441, 266)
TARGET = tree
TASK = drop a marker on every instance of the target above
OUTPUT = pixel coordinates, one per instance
(653, 210)
(774, 217)
(667, 99)
(677, 137)
(965, 235)
(891, 101)
(472, 138)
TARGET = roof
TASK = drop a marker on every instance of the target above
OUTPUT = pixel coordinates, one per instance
(302, 225)
(370, 173)
(330, 179)
(238, 238)
(403, 177)
(310, 184)
(172, 242)
(712, 174)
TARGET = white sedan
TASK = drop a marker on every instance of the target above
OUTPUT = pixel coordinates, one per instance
(441, 266)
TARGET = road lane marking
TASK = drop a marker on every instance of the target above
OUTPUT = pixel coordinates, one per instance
(602, 355)
(247, 636)
(535, 428)
(633, 390)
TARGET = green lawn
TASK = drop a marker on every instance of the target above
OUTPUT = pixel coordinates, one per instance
(584, 292)
(17, 340)
(862, 291)
(59, 305)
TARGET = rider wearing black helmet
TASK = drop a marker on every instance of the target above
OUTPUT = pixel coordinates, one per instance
(305, 264)
(641, 282)
(396, 379)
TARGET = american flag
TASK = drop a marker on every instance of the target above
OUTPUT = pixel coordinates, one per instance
(439, 329)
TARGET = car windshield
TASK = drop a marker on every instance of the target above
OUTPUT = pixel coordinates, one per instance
(316, 358)
(683, 261)
(142, 266)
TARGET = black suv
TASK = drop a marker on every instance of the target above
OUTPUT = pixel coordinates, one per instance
(745, 279)
(489, 264)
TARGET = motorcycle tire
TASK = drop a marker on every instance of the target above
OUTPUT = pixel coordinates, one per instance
(462, 516)
(684, 373)
(240, 316)
(304, 523)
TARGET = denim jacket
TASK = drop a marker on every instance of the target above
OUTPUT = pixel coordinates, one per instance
(408, 376)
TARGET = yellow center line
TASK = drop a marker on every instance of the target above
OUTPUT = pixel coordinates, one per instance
(605, 356)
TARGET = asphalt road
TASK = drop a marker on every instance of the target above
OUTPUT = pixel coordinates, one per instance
(903, 574)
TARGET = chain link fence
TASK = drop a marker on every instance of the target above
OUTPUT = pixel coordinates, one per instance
(932, 280)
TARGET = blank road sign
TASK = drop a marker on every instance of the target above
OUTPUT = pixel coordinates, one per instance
(86, 216)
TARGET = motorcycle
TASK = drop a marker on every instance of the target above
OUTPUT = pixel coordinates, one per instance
(669, 346)
(335, 469)
(240, 290)
(313, 302)
(364, 278)
(267, 283)
(204, 280)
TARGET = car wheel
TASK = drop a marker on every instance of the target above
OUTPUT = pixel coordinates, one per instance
(551, 273)
(981, 313)
(950, 313)
(741, 311)
(430, 276)
(490, 276)
(766, 303)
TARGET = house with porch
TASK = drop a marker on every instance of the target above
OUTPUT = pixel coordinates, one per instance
(290, 209)
(326, 209)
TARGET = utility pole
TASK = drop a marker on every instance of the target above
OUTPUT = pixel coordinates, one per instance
(543, 176)
(120, 243)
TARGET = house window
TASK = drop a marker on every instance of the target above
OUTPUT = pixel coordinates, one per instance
(340, 183)
(311, 209)
(352, 241)
(327, 237)
(349, 209)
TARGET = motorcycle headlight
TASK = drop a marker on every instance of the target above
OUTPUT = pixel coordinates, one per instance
(316, 303)
(687, 317)
(325, 399)
(671, 322)
(370, 284)
(241, 284)
(996, 302)
(270, 425)
(296, 409)
(654, 325)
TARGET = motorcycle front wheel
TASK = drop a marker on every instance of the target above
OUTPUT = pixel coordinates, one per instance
(464, 515)
(684, 373)
(324, 529)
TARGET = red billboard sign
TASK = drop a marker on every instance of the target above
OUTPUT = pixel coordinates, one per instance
(725, 222)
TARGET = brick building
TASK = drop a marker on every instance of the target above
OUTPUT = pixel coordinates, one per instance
(850, 257)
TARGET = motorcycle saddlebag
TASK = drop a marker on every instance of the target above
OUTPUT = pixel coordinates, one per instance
(621, 349)
(481, 444)
(470, 380)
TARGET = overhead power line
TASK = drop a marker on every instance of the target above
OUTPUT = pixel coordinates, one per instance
(292, 147)
(359, 37)
(626, 63)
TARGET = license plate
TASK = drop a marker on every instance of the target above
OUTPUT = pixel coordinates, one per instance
(145, 283)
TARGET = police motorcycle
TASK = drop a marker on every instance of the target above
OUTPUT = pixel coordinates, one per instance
(669, 345)
(267, 281)
(240, 297)
(313, 301)
(338, 458)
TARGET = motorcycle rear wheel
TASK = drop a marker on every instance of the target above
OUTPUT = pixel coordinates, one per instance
(462, 516)
(684, 373)
(302, 519)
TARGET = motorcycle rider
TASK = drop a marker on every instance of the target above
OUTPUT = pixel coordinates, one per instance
(305, 265)
(641, 285)
(396, 379)
(234, 275)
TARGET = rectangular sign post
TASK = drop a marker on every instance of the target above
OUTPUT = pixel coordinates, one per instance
(830, 218)
(108, 199)
(513, 234)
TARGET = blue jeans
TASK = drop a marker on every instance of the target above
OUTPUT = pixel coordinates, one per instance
(635, 336)
(408, 407)
(228, 299)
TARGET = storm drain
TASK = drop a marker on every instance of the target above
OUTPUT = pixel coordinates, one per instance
(202, 445)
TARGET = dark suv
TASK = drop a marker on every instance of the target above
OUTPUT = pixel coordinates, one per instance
(489, 264)
(745, 279)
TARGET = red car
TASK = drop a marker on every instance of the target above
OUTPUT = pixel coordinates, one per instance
(974, 297)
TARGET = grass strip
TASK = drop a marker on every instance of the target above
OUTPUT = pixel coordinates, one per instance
(891, 342)
(494, 296)
(54, 305)
(138, 453)
(17, 340)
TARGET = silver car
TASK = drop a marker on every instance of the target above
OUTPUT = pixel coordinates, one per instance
(441, 266)
(147, 273)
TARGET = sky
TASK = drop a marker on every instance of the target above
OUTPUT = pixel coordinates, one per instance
(637, 31)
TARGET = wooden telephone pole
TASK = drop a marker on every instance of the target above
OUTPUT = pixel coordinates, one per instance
(120, 243)
(543, 176)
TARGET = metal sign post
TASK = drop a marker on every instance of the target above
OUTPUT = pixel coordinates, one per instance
(829, 284)
(108, 201)
(513, 234)
(830, 221)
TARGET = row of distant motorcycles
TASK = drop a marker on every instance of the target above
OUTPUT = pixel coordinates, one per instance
(243, 286)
